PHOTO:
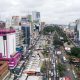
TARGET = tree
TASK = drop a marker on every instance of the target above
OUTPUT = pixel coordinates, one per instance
(75, 52)
(45, 53)
(61, 68)
(43, 68)
(68, 43)
(57, 42)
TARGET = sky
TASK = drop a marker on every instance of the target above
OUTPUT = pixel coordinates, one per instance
(52, 11)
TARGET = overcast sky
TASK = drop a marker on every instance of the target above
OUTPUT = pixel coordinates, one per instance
(52, 11)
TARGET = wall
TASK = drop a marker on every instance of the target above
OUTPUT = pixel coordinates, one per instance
(1, 45)
(11, 43)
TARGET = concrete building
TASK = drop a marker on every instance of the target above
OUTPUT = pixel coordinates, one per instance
(77, 29)
(42, 25)
(7, 42)
(8, 47)
(72, 26)
(19, 34)
(4, 72)
(72, 33)
(36, 20)
(26, 28)
(15, 20)
(8, 22)
(26, 33)
(2, 24)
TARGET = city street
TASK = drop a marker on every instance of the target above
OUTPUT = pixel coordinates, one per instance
(68, 71)
(36, 59)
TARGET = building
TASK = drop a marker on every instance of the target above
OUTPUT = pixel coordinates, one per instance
(78, 29)
(2, 24)
(42, 25)
(36, 20)
(72, 26)
(26, 33)
(36, 16)
(19, 34)
(4, 72)
(26, 28)
(7, 42)
(72, 31)
(8, 47)
(15, 21)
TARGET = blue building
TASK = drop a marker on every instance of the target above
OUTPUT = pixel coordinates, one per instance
(26, 34)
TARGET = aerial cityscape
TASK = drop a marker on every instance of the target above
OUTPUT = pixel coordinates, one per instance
(39, 40)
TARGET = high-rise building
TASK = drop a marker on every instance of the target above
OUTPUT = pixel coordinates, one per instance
(26, 28)
(36, 16)
(26, 33)
(36, 20)
(15, 21)
(72, 26)
(7, 42)
(77, 29)
(42, 25)
(16, 25)
(8, 47)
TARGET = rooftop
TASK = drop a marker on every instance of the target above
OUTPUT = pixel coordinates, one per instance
(6, 31)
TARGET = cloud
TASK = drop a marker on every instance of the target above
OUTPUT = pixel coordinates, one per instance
(52, 11)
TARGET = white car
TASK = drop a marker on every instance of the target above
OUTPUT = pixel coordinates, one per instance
(51, 73)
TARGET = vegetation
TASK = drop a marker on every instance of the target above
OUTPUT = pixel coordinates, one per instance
(50, 29)
(61, 33)
(75, 52)
(56, 40)
(45, 53)
(43, 67)
(68, 43)
(61, 68)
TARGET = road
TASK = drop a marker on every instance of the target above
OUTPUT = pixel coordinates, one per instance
(38, 57)
(68, 72)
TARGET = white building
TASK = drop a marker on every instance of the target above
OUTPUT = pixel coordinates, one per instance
(16, 25)
(7, 42)
(36, 19)
(72, 26)
(78, 28)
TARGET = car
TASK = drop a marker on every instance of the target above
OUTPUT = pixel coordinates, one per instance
(64, 59)
(52, 74)
(33, 56)
(54, 65)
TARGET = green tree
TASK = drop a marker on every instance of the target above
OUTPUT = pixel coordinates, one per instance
(43, 68)
(68, 43)
(61, 68)
(75, 52)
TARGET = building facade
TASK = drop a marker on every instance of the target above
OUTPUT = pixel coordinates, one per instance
(36, 20)
(26, 28)
(8, 47)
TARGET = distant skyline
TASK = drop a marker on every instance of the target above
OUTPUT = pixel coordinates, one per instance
(52, 11)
